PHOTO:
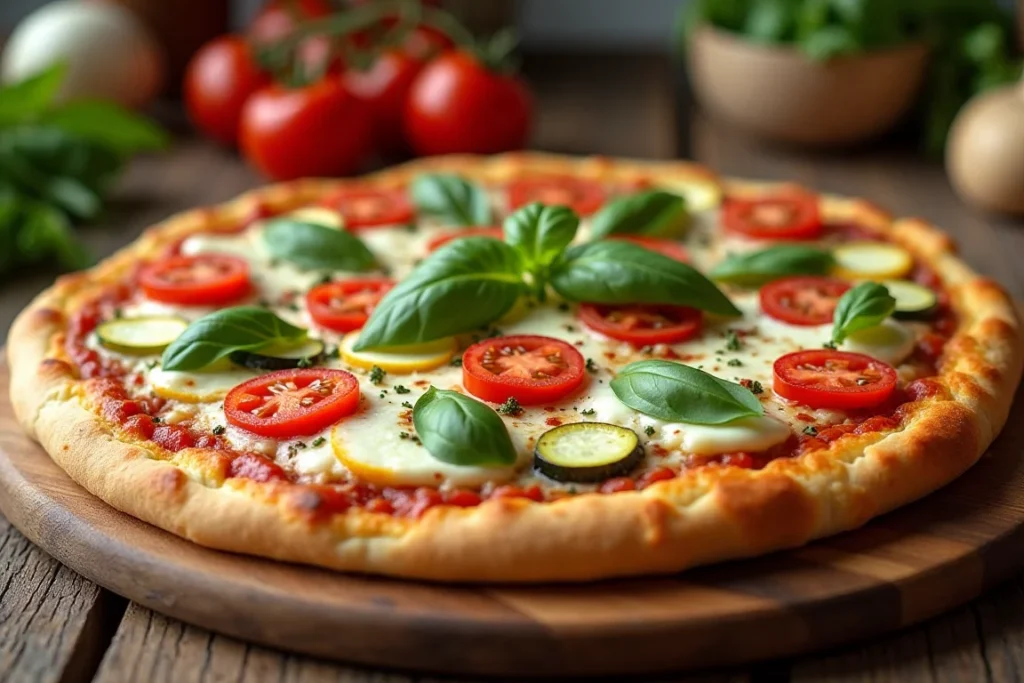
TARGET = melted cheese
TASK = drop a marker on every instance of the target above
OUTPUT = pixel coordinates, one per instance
(196, 387)
(751, 434)
(891, 342)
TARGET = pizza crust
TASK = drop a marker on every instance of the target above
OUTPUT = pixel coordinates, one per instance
(699, 517)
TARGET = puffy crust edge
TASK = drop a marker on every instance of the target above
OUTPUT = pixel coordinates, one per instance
(700, 517)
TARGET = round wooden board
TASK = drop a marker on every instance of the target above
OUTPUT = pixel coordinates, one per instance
(899, 569)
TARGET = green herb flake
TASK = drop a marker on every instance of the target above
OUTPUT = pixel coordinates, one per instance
(811, 430)
(510, 407)
(218, 430)
(735, 363)
(377, 374)
(402, 389)
(318, 442)
(649, 430)
(732, 341)
(406, 404)
(588, 412)
(592, 367)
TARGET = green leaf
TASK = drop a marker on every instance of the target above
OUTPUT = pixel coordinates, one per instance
(108, 125)
(770, 21)
(678, 393)
(540, 233)
(464, 285)
(656, 213)
(623, 273)
(830, 42)
(46, 234)
(217, 335)
(452, 199)
(864, 306)
(755, 268)
(461, 431)
(311, 246)
(21, 102)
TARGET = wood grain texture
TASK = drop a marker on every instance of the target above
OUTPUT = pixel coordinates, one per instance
(903, 567)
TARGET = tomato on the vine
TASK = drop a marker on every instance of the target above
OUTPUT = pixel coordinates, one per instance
(218, 81)
(459, 105)
(385, 87)
(279, 18)
(314, 130)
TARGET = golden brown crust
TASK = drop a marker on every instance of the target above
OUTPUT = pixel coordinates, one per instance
(701, 516)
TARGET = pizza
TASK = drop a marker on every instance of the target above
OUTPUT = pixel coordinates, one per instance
(519, 368)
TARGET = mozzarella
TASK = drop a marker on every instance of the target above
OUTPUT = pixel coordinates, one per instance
(747, 434)
(196, 387)
(891, 342)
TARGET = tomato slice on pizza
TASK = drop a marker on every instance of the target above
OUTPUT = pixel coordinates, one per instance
(444, 238)
(582, 195)
(674, 250)
(642, 325)
(290, 403)
(821, 378)
(203, 280)
(803, 300)
(345, 305)
(529, 368)
(791, 216)
(371, 208)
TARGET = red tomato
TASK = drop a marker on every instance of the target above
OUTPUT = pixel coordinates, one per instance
(642, 325)
(803, 300)
(424, 42)
(218, 81)
(580, 194)
(446, 237)
(529, 368)
(366, 207)
(317, 130)
(833, 379)
(289, 403)
(385, 87)
(346, 305)
(789, 216)
(204, 280)
(457, 105)
(277, 18)
(665, 247)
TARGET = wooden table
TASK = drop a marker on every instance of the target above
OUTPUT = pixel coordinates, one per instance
(56, 626)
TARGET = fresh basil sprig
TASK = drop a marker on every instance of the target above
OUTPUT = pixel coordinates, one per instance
(312, 246)
(623, 273)
(452, 199)
(754, 268)
(466, 284)
(540, 233)
(679, 393)
(864, 306)
(219, 334)
(461, 431)
(656, 213)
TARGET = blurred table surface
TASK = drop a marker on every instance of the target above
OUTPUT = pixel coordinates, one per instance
(57, 627)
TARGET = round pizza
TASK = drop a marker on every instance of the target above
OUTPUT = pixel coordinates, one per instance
(519, 368)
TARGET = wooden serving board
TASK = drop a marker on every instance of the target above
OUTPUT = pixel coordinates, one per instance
(897, 570)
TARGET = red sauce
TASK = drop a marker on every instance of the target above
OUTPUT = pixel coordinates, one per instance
(256, 467)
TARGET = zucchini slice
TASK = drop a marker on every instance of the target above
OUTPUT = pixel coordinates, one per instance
(587, 452)
(143, 336)
(310, 352)
(872, 261)
(913, 301)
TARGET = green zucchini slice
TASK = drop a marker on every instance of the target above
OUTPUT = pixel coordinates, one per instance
(913, 301)
(308, 353)
(587, 452)
(143, 336)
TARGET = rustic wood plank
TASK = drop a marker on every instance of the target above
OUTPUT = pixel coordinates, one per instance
(54, 625)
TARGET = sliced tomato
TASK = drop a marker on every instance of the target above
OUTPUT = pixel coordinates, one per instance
(580, 194)
(803, 300)
(346, 305)
(203, 280)
(529, 368)
(642, 325)
(791, 216)
(368, 207)
(290, 403)
(669, 248)
(446, 237)
(833, 379)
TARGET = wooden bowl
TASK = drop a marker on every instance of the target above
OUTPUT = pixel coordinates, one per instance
(781, 94)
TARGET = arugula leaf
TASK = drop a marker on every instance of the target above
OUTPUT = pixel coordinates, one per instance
(621, 273)
(466, 284)
(679, 393)
(22, 101)
(452, 199)
(108, 125)
(217, 335)
(317, 247)
(540, 233)
(656, 213)
(754, 268)
(461, 431)
(864, 306)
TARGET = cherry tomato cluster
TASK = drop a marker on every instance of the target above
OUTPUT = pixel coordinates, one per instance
(314, 89)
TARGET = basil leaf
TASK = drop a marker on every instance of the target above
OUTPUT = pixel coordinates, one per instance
(864, 306)
(107, 124)
(759, 267)
(540, 233)
(461, 431)
(624, 273)
(217, 335)
(464, 285)
(678, 393)
(657, 213)
(452, 199)
(22, 101)
(311, 246)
